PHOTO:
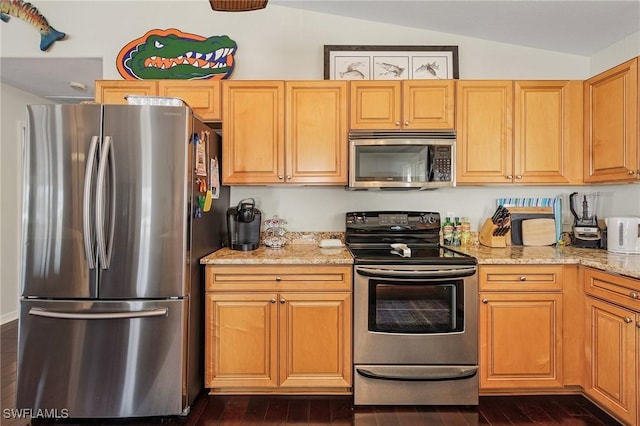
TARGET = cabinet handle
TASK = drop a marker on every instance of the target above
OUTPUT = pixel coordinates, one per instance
(278, 278)
(398, 123)
(288, 176)
(634, 295)
(518, 176)
(280, 177)
(509, 177)
(485, 301)
(523, 278)
(638, 324)
(282, 301)
(631, 172)
(628, 320)
(406, 123)
(272, 300)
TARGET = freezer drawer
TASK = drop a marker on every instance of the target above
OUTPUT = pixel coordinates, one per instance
(103, 359)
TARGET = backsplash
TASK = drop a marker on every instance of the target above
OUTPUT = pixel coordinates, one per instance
(322, 209)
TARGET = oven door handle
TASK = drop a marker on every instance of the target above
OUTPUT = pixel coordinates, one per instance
(416, 273)
(421, 375)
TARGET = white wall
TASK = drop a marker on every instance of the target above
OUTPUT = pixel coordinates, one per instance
(275, 43)
(615, 54)
(12, 107)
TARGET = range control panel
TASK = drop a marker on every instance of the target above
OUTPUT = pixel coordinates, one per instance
(407, 220)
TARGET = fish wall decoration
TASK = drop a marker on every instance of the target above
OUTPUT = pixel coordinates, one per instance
(173, 54)
(30, 14)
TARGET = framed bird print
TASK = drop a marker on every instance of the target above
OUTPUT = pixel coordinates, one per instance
(390, 62)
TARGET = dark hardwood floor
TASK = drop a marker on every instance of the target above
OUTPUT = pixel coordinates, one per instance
(337, 410)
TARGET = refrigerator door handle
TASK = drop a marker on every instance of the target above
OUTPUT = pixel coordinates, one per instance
(105, 247)
(86, 205)
(39, 312)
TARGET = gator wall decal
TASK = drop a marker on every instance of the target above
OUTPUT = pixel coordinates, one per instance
(173, 54)
(30, 14)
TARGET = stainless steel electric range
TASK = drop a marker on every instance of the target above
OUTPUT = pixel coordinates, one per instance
(415, 312)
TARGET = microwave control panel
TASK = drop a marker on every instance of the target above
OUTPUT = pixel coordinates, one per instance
(441, 165)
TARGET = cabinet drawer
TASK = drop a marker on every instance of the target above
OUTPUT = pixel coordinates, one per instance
(614, 288)
(278, 277)
(521, 278)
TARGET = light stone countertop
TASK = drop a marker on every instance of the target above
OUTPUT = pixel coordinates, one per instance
(290, 254)
(623, 264)
(311, 254)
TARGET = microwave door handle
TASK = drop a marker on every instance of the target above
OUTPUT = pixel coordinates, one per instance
(394, 273)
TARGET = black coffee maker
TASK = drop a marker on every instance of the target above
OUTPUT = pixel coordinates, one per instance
(243, 225)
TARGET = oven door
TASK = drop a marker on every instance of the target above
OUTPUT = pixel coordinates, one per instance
(411, 314)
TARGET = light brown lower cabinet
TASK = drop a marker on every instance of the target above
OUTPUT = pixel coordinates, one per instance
(521, 327)
(612, 326)
(287, 331)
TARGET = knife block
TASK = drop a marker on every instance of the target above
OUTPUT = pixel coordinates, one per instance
(486, 237)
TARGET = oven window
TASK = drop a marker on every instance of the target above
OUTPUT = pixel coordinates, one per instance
(398, 307)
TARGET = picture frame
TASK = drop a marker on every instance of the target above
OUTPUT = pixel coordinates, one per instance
(345, 62)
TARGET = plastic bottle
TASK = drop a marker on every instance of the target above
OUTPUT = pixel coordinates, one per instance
(465, 237)
(457, 231)
(447, 232)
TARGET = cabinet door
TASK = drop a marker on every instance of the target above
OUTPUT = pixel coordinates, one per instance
(375, 105)
(611, 358)
(316, 132)
(520, 340)
(114, 91)
(548, 132)
(611, 120)
(315, 340)
(203, 96)
(241, 340)
(428, 104)
(638, 366)
(484, 111)
(253, 128)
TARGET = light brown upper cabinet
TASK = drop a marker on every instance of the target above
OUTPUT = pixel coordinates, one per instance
(203, 96)
(114, 91)
(522, 132)
(285, 132)
(611, 125)
(402, 105)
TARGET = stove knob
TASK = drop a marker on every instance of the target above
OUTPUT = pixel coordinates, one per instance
(427, 219)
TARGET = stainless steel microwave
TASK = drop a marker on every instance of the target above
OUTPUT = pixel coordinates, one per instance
(401, 160)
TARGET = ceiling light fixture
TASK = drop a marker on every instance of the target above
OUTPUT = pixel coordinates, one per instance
(78, 86)
(237, 5)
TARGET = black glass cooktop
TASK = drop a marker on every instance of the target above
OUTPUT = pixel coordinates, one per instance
(419, 255)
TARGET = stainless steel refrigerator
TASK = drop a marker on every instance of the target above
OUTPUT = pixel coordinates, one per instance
(115, 220)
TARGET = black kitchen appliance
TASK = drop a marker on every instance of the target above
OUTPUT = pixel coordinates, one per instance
(586, 232)
(243, 225)
(415, 319)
